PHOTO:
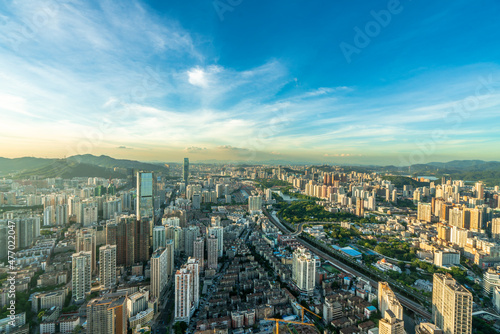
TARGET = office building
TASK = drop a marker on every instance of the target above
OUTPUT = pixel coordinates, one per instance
(451, 305)
(304, 270)
(491, 279)
(107, 266)
(145, 195)
(81, 275)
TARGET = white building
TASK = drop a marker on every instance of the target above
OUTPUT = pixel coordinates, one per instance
(304, 270)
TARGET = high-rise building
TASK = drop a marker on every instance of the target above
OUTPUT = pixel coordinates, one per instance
(186, 290)
(145, 193)
(254, 204)
(387, 300)
(169, 248)
(190, 235)
(107, 266)
(137, 302)
(212, 252)
(491, 279)
(479, 190)
(304, 270)
(24, 232)
(193, 265)
(159, 237)
(86, 242)
(199, 250)
(122, 234)
(107, 314)
(495, 228)
(81, 275)
(425, 212)
(218, 231)
(159, 272)
(360, 207)
(451, 305)
(427, 328)
(390, 324)
(185, 171)
(142, 240)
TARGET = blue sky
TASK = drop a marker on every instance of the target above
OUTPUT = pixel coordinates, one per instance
(383, 82)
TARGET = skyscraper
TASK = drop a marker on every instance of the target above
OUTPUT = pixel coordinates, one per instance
(218, 231)
(390, 324)
(254, 204)
(86, 242)
(159, 272)
(212, 252)
(107, 266)
(107, 314)
(424, 212)
(145, 193)
(169, 248)
(142, 240)
(199, 250)
(122, 234)
(360, 209)
(185, 171)
(81, 275)
(387, 300)
(190, 235)
(186, 290)
(304, 270)
(159, 237)
(451, 305)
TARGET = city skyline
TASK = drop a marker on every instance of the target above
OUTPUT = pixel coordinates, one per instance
(385, 82)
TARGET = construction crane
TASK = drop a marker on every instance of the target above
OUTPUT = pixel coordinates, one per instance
(305, 309)
(277, 328)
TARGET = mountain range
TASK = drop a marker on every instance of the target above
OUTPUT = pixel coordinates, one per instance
(75, 166)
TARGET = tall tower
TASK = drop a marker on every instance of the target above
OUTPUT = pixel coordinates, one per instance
(145, 193)
(107, 266)
(304, 270)
(81, 276)
(186, 290)
(185, 171)
(86, 242)
(390, 324)
(199, 250)
(159, 237)
(387, 300)
(122, 234)
(142, 240)
(190, 235)
(107, 314)
(212, 252)
(169, 248)
(451, 305)
(159, 272)
(218, 231)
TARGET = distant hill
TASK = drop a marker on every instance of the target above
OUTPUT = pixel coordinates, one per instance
(109, 162)
(10, 165)
(76, 166)
(400, 181)
(67, 170)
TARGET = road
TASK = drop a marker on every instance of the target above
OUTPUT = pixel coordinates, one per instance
(411, 305)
